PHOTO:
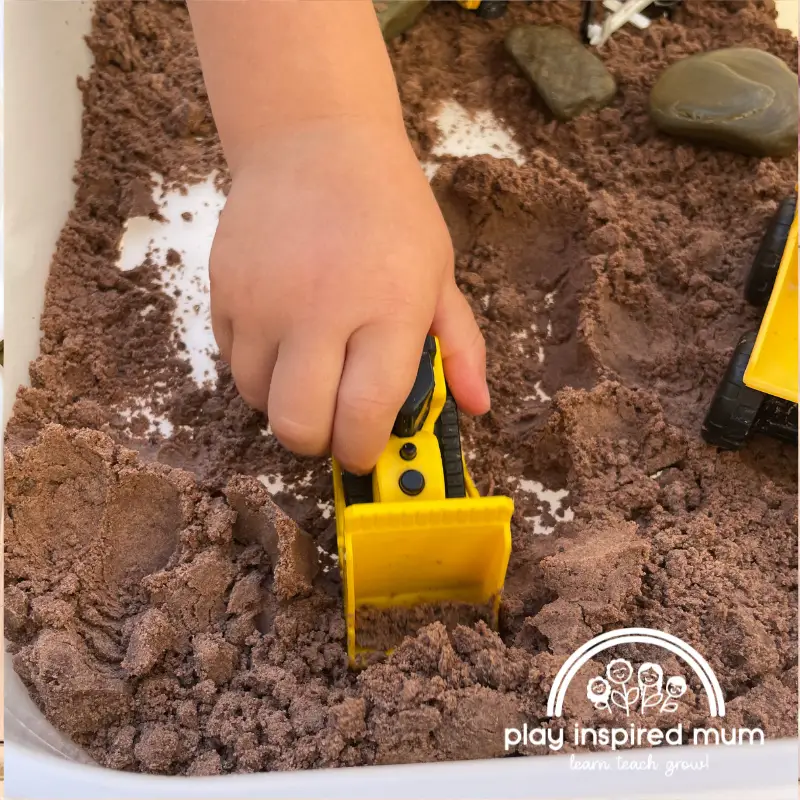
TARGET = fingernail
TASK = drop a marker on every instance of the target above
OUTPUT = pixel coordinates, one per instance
(487, 398)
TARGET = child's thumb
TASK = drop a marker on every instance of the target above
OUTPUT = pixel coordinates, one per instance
(463, 350)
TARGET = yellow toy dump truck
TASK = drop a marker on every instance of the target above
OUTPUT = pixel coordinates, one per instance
(758, 392)
(486, 9)
(415, 531)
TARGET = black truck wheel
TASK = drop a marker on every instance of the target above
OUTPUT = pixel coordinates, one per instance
(492, 9)
(778, 419)
(734, 410)
(449, 436)
(764, 270)
(662, 8)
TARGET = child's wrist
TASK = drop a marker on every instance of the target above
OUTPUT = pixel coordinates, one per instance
(260, 146)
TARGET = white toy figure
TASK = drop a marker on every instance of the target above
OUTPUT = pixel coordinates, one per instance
(622, 13)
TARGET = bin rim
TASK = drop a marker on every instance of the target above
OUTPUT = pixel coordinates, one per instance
(759, 771)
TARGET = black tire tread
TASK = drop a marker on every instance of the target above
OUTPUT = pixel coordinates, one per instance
(733, 412)
(764, 269)
(492, 9)
(357, 488)
(449, 436)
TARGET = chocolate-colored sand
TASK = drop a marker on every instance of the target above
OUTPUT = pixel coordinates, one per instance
(161, 639)
(385, 628)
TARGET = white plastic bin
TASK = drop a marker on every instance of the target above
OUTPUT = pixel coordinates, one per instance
(44, 51)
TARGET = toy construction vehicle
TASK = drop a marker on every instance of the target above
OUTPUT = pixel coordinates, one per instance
(596, 31)
(415, 531)
(759, 389)
(486, 9)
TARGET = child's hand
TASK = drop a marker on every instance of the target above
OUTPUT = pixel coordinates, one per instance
(331, 262)
(330, 265)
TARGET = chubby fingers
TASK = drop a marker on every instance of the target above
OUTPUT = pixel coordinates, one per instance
(379, 370)
(302, 394)
(463, 350)
(252, 360)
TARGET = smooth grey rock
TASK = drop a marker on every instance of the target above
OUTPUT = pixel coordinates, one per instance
(397, 16)
(570, 78)
(740, 98)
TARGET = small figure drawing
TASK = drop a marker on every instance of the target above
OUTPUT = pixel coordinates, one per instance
(651, 679)
(676, 687)
(619, 672)
(598, 691)
(649, 690)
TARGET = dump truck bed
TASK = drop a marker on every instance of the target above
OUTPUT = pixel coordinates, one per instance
(773, 365)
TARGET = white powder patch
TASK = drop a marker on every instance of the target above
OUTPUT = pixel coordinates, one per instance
(158, 423)
(465, 134)
(192, 239)
(324, 556)
(306, 479)
(519, 338)
(430, 169)
(539, 528)
(274, 483)
(555, 500)
(539, 393)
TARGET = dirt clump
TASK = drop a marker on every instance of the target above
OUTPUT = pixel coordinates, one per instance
(385, 628)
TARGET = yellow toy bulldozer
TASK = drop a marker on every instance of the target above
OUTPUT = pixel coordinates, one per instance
(758, 392)
(415, 531)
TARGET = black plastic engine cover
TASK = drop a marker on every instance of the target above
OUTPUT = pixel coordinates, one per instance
(414, 411)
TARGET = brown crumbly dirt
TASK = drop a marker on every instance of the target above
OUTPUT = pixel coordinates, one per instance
(385, 628)
(164, 613)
